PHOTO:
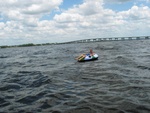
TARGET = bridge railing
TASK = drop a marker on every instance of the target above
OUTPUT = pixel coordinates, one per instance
(111, 39)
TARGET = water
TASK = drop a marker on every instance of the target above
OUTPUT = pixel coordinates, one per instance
(47, 79)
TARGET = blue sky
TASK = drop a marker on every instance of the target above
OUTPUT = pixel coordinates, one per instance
(50, 21)
(70, 3)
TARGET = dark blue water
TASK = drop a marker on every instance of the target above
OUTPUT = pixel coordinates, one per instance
(47, 79)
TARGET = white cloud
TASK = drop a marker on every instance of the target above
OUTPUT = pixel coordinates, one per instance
(84, 20)
(42, 6)
(87, 20)
(137, 13)
(21, 9)
(100, 22)
(2, 25)
(22, 17)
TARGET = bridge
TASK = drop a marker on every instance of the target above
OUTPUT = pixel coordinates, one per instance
(111, 39)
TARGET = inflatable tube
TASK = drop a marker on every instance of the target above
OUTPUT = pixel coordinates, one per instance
(87, 57)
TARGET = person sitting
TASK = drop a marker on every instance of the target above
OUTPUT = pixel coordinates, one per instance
(91, 52)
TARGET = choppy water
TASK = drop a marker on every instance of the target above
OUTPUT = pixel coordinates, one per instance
(47, 79)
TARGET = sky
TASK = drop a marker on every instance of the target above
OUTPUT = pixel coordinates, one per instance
(55, 21)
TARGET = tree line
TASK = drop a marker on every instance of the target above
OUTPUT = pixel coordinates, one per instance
(26, 45)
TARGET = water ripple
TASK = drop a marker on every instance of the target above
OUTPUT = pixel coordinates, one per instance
(47, 79)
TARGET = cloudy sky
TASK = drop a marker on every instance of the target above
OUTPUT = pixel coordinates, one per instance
(49, 21)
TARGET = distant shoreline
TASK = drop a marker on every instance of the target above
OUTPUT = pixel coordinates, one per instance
(28, 45)
(82, 41)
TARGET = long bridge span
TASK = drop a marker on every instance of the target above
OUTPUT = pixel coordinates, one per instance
(111, 39)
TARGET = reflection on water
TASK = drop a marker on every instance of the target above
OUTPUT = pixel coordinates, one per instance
(49, 79)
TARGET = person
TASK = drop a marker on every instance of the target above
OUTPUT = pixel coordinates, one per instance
(91, 52)
(82, 56)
